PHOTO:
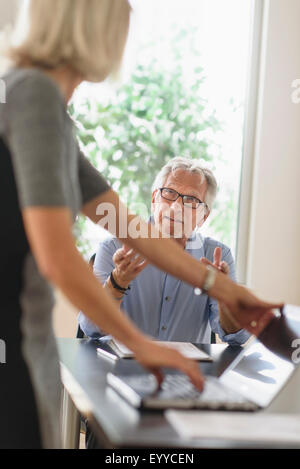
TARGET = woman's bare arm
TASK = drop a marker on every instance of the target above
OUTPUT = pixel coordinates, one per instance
(243, 308)
(50, 237)
(162, 252)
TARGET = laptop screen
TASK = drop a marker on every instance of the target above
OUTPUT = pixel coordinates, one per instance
(258, 374)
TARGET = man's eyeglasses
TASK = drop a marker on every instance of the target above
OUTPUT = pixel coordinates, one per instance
(187, 200)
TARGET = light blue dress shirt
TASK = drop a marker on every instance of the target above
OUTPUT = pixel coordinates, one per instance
(163, 306)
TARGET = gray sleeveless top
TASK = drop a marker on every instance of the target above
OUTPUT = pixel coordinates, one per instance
(48, 170)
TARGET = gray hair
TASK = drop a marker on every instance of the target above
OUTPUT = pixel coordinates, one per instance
(192, 166)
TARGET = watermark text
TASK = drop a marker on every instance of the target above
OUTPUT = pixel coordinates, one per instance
(296, 353)
(168, 222)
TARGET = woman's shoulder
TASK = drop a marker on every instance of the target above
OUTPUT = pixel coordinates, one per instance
(31, 83)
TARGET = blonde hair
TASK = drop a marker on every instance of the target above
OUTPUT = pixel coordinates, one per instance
(87, 35)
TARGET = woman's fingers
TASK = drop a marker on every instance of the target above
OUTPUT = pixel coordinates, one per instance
(192, 370)
(272, 305)
(252, 313)
(154, 356)
(158, 375)
(248, 311)
(249, 301)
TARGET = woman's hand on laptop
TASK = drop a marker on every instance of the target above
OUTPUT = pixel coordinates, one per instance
(243, 307)
(153, 356)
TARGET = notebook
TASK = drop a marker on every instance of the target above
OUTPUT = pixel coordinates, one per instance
(187, 349)
(272, 428)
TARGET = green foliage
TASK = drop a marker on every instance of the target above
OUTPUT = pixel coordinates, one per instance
(157, 115)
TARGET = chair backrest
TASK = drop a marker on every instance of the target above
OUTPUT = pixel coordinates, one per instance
(80, 334)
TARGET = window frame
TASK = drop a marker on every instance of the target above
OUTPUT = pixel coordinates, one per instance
(250, 132)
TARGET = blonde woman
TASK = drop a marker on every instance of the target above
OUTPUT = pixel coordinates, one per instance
(44, 182)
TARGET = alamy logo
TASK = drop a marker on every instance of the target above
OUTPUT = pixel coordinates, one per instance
(2, 92)
(2, 352)
(296, 353)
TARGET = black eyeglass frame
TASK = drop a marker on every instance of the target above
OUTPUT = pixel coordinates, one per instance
(182, 197)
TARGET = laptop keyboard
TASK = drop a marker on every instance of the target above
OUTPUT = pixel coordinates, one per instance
(213, 396)
(178, 391)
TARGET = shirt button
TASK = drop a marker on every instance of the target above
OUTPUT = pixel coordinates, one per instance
(164, 328)
(167, 298)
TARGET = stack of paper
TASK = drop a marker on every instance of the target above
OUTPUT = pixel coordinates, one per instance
(237, 426)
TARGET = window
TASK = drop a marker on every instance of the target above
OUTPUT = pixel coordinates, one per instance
(182, 93)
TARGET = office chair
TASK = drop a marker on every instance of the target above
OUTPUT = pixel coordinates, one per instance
(80, 333)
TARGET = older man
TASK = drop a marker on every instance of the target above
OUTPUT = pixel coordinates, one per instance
(161, 305)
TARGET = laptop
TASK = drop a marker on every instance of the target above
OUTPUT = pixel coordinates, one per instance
(250, 383)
